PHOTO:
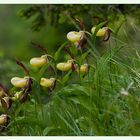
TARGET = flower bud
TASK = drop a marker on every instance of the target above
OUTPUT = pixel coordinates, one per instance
(74, 36)
(47, 82)
(14, 98)
(38, 61)
(84, 68)
(17, 96)
(19, 82)
(4, 120)
(101, 32)
(65, 66)
(6, 103)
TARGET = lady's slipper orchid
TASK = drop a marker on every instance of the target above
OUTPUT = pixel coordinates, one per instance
(101, 32)
(6, 103)
(47, 82)
(64, 66)
(4, 120)
(84, 68)
(38, 61)
(74, 36)
(19, 82)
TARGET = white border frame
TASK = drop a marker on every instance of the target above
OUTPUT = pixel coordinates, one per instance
(69, 2)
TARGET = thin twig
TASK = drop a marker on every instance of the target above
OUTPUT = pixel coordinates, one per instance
(40, 47)
(22, 66)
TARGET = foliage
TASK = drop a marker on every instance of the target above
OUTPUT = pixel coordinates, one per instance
(59, 14)
(102, 102)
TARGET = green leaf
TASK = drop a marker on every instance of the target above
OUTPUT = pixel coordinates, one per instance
(66, 77)
(74, 89)
(86, 102)
(67, 123)
(58, 52)
(41, 72)
(47, 130)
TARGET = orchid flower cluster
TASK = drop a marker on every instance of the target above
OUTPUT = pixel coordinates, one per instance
(25, 83)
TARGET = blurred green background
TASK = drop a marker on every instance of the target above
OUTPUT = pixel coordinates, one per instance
(15, 38)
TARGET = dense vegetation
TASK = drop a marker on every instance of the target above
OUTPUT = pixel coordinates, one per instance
(94, 92)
